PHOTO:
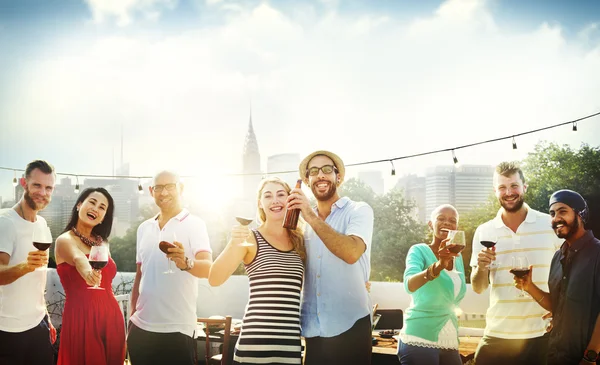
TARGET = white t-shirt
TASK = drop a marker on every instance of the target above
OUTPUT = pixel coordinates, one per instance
(167, 302)
(22, 303)
(508, 316)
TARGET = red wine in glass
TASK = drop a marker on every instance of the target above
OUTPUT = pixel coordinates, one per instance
(42, 239)
(244, 222)
(455, 248)
(164, 246)
(98, 265)
(42, 246)
(98, 259)
(488, 244)
(519, 272)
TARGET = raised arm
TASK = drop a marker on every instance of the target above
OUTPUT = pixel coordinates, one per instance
(67, 251)
(348, 246)
(416, 275)
(233, 254)
(10, 274)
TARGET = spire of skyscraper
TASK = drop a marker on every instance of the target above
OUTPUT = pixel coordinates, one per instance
(251, 161)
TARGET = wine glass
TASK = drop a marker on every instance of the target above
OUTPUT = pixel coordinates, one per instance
(456, 244)
(457, 241)
(42, 240)
(520, 268)
(489, 240)
(98, 259)
(244, 222)
(165, 242)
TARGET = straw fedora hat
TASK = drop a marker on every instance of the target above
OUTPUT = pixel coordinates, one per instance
(337, 161)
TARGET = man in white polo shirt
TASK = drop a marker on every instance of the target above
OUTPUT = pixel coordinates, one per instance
(163, 304)
(26, 334)
(515, 330)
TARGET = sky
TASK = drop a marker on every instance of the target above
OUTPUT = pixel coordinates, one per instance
(368, 80)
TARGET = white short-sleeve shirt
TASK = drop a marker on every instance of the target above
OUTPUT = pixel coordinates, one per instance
(508, 316)
(167, 302)
(22, 303)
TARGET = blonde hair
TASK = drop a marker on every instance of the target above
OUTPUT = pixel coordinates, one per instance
(296, 235)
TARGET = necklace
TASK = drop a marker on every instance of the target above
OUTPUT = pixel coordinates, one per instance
(94, 240)
(22, 212)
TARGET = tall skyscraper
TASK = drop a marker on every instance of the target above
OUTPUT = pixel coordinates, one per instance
(465, 187)
(251, 163)
(284, 162)
(413, 188)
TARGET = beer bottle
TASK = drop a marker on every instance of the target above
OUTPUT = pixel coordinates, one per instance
(290, 221)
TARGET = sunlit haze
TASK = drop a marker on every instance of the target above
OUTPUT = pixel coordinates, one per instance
(368, 80)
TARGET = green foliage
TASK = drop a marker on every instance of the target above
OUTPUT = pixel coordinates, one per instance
(552, 167)
(122, 249)
(395, 229)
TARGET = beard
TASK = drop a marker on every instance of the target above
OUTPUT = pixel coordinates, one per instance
(571, 229)
(32, 204)
(324, 196)
(518, 204)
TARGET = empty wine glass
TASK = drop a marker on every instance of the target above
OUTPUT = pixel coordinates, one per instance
(42, 240)
(98, 259)
(244, 222)
(489, 239)
(520, 268)
(165, 242)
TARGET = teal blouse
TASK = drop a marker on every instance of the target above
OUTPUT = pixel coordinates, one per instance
(432, 304)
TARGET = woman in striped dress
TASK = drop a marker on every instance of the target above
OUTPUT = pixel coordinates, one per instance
(275, 265)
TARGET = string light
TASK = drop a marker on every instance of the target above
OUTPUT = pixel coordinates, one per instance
(514, 144)
(573, 122)
(455, 159)
(140, 189)
(393, 168)
(15, 179)
(76, 185)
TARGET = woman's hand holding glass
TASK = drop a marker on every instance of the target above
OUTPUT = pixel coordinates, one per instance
(98, 259)
(445, 256)
(239, 236)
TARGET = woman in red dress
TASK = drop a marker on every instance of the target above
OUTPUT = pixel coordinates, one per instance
(93, 331)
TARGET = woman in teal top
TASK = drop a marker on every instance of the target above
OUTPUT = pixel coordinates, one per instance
(435, 279)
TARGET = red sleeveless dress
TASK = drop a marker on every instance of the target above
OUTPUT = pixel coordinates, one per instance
(93, 330)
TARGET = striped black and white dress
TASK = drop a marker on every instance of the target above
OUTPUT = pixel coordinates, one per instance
(271, 327)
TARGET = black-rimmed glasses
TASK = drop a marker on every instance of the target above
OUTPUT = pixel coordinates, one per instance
(327, 169)
(169, 187)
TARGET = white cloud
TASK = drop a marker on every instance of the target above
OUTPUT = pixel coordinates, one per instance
(124, 10)
(366, 86)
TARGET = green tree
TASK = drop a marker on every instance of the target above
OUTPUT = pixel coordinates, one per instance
(552, 167)
(395, 229)
(122, 249)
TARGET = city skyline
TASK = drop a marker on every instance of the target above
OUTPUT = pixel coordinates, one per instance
(368, 80)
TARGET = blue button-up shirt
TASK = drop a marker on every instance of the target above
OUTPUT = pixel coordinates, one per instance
(575, 293)
(334, 295)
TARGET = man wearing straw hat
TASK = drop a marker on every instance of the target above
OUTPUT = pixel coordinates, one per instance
(336, 308)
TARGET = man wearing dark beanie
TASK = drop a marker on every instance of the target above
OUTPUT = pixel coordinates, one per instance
(574, 283)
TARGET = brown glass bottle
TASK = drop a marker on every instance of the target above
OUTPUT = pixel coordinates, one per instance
(290, 221)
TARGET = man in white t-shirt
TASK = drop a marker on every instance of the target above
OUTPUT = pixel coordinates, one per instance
(515, 330)
(163, 303)
(26, 334)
